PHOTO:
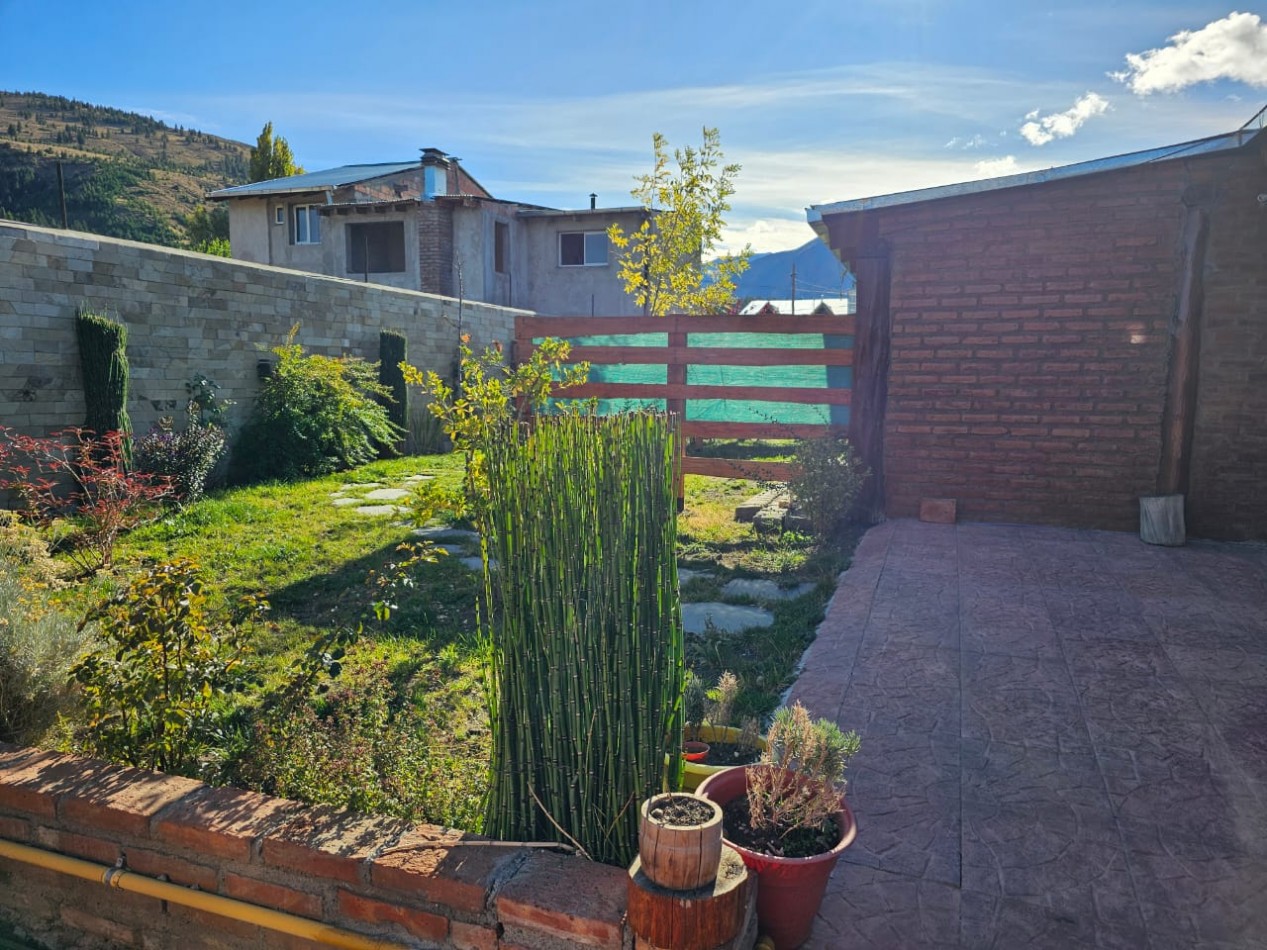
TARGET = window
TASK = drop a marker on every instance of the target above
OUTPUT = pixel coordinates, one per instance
(307, 224)
(377, 248)
(582, 248)
(279, 215)
(501, 247)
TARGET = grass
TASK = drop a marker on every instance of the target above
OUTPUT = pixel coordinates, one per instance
(416, 672)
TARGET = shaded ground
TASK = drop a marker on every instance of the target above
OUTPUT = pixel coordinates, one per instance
(1064, 740)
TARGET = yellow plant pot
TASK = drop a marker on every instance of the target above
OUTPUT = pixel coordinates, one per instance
(695, 772)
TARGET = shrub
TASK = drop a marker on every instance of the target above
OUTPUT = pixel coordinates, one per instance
(25, 551)
(828, 482)
(364, 745)
(393, 350)
(314, 415)
(37, 644)
(78, 487)
(104, 363)
(151, 691)
(187, 458)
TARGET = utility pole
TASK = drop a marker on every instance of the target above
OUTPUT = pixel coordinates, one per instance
(794, 288)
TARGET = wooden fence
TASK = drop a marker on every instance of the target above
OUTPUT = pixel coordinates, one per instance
(680, 354)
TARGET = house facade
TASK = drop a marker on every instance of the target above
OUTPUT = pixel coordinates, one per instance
(430, 226)
(1051, 346)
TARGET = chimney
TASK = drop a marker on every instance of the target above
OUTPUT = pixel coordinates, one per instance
(432, 156)
(593, 201)
(457, 174)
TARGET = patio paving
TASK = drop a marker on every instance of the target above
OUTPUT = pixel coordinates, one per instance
(1064, 740)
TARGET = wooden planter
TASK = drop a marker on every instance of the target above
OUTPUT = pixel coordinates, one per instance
(679, 857)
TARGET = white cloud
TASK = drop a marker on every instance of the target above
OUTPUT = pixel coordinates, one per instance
(765, 234)
(972, 141)
(1059, 125)
(1234, 47)
(995, 167)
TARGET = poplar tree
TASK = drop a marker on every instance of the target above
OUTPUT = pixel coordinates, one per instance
(271, 157)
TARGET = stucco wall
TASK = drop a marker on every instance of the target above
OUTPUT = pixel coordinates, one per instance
(334, 242)
(572, 291)
(190, 313)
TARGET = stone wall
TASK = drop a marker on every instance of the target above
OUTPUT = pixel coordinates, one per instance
(190, 313)
(410, 885)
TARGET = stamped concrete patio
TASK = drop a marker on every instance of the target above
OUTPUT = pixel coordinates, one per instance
(1064, 740)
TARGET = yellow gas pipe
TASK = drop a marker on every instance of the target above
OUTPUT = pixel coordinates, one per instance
(135, 883)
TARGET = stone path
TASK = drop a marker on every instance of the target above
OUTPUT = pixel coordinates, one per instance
(1064, 740)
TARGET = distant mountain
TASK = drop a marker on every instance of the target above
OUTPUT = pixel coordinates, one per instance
(127, 175)
(818, 274)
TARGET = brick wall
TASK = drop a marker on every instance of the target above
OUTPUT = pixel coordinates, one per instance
(189, 313)
(435, 246)
(416, 884)
(1031, 340)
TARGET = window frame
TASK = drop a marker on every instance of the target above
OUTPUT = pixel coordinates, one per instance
(279, 214)
(501, 247)
(309, 212)
(585, 245)
(393, 228)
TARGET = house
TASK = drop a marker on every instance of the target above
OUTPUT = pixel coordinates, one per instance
(817, 306)
(1050, 346)
(431, 226)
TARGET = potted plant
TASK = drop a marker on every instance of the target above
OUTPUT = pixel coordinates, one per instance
(708, 714)
(679, 840)
(788, 819)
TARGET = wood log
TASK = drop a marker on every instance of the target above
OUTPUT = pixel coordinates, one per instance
(680, 857)
(705, 919)
(1161, 520)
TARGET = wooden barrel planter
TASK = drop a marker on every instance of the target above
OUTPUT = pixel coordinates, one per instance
(675, 853)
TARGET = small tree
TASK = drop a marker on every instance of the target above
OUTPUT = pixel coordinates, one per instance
(662, 262)
(271, 157)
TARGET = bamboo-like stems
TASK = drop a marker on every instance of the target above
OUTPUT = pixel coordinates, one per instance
(583, 626)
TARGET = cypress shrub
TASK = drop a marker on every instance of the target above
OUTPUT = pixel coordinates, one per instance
(393, 349)
(583, 628)
(103, 359)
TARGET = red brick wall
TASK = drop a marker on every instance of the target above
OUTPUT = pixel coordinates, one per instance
(435, 248)
(1030, 345)
(1227, 495)
(376, 876)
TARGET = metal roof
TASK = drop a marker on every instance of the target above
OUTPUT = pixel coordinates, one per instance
(1207, 146)
(564, 212)
(315, 181)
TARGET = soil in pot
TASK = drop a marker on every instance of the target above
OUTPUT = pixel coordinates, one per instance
(801, 843)
(685, 810)
(726, 754)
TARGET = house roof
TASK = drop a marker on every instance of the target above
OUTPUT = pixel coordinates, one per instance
(579, 212)
(802, 306)
(315, 181)
(1228, 141)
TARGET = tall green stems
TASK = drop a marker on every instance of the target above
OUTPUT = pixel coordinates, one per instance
(583, 625)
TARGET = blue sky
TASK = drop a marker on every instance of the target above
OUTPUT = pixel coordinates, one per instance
(548, 101)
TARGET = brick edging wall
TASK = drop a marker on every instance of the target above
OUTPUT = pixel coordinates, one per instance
(418, 884)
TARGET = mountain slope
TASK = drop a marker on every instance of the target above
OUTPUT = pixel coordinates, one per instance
(127, 175)
(818, 274)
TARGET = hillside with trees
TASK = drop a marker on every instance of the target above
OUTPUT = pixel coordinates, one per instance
(126, 175)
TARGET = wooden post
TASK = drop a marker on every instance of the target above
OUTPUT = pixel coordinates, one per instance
(871, 372)
(677, 375)
(708, 918)
(1185, 351)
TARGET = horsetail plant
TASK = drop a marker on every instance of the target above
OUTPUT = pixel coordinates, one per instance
(583, 627)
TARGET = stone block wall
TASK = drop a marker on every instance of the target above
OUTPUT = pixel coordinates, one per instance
(189, 313)
(409, 885)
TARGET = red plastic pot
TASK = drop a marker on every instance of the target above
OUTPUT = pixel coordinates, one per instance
(695, 751)
(789, 890)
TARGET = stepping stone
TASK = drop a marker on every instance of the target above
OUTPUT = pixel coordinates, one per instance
(418, 478)
(474, 563)
(387, 494)
(344, 502)
(445, 533)
(377, 511)
(764, 590)
(348, 486)
(726, 618)
(685, 575)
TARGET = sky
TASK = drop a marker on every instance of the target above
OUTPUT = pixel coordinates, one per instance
(548, 101)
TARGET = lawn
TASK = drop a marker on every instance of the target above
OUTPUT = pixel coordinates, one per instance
(401, 728)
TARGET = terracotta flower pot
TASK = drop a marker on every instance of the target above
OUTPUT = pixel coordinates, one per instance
(789, 890)
(679, 857)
